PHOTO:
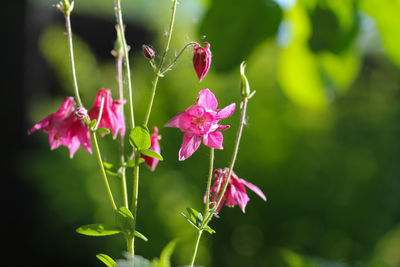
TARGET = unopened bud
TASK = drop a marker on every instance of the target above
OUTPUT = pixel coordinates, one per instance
(148, 52)
(244, 83)
(81, 113)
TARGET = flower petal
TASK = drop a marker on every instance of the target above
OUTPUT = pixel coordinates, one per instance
(254, 188)
(174, 122)
(213, 139)
(225, 112)
(190, 144)
(207, 99)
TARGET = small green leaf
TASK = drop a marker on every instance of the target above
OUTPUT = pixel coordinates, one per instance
(140, 138)
(165, 257)
(195, 216)
(190, 221)
(98, 230)
(151, 153)
(103, 131)
(107, 260)
(141, 236)
(131, 163)
(209, 229)
(110, 169)
(92, 123)
(124, 220)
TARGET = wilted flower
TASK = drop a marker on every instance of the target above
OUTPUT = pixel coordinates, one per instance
(155, 146)
(235, 193)
(201, 120)
(65, 129)
(112, 117)
(201, 60)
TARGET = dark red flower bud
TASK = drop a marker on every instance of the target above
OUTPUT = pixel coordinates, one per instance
(201, 60)
(148, 52)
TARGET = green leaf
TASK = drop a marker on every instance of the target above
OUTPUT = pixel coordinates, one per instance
(165, 257)
(98, 230)
(131, 163)
(92, 123)
(151, 153)
(124, 220)
(103, 131)
(140, 138)
(110, 169)
(141, 236)
(194, 217)
(261, 16)
(209, 229)
(107, 260)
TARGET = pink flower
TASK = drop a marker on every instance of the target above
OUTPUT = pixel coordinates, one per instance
(201, 120)
(235, 193)
(65, 129)
(155, 146)
(201, 60)
(112, 117)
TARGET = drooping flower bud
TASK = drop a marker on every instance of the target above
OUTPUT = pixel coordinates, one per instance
(244, 83)
(201, 60)
(81, 113)
(148, 52)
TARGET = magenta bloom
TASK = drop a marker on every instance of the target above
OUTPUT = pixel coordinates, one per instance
(112, 117)
(155, 146)
(65, 129)
(235, 193)
(201, 60)
(201, 120)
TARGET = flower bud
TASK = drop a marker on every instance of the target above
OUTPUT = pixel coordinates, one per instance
(81, 113)
(201, 60)
(244, 83)
(148, 52)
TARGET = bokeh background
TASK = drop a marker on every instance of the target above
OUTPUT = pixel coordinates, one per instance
(322, 138)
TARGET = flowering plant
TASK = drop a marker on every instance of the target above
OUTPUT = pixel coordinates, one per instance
(73, 126)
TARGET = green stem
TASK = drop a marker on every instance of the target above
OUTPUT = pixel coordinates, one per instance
(126, 58)
(158, 72)
(176, 58)
(135, 195)
(235, 152)
(196, 246)
(71, 54)
(103, 172)
(210, 173)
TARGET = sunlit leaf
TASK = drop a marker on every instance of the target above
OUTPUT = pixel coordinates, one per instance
(124, 220)
(107, 260)
(140, 138)
(98, 230)
(141, 236)
(151, 153)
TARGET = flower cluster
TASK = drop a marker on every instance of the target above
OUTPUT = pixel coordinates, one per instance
(235, 193)
(66, 127)
(201, 121)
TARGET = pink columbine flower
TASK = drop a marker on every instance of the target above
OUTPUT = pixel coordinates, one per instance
(65, 129)
(201, 60)
(201, 121)
(112, 117)
(155, 146)
(235, 193)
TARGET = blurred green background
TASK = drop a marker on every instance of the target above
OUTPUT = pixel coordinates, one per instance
(322, 138)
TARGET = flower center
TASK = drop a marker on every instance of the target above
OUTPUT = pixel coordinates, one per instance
(198, 122)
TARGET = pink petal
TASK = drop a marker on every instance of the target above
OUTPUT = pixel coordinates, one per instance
(254, 188)
(213, 139)
(207, 99)
(174, 122)
(223, 127)
(190, 144)
(225, 112)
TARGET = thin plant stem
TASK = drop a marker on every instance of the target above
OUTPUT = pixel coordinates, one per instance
(71, 54)
(209, 180)
(158, 72)
(177, 57)
(121, 140)
(235, 152)
(126, 58)
(199, 232)
(103, 172)
(135, 195)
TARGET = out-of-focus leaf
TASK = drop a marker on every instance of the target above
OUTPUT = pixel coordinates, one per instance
(165, 257)
(107, 260)
(98, 230)
(124, 219)
(386, 252)
(141, 236)
(139, 261)
(250, 22)
(386, 13)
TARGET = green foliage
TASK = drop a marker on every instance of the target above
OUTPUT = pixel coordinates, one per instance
(165, 257)
(125, 221)
(194, 217)
(98, 230)
(250, 23)
(139, 138)
(103, 131)
(107, 260)
(151, 153)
